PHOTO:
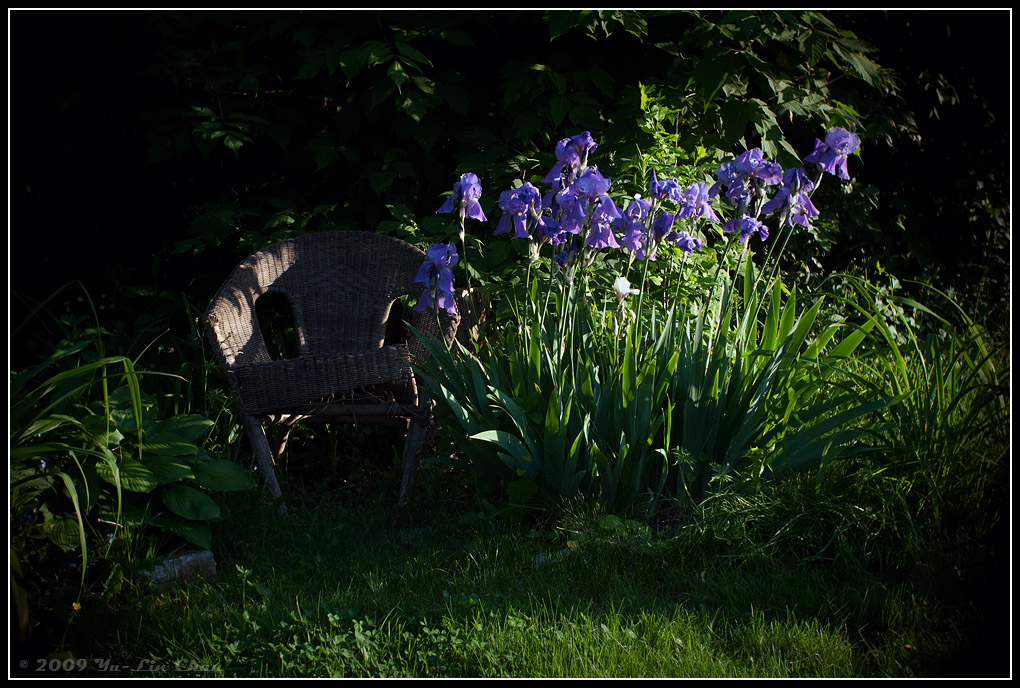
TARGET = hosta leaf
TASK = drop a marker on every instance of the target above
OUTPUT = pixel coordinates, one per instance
(190, 503)
(133, 475)
(168, 470)
(190, 427)
(223, 476)
(167, 444)
(195, 532)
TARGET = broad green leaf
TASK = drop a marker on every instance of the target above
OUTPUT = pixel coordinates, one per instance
(397, 74)
(168, 444)
(189, 503)
(223, 476)
(196, 532)
(131, 474)
(168, 470)
(233, 141)
(103, 430)
(311, 67)
(412, 53)
(190, 427)
(552, 415)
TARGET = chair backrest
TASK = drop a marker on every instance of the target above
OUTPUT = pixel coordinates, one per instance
(341, 287)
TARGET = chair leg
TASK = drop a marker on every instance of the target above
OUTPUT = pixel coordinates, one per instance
(263, 457)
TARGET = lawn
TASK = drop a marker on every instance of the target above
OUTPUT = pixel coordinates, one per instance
(348, 585)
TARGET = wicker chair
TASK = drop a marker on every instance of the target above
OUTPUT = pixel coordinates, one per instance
(353, 362)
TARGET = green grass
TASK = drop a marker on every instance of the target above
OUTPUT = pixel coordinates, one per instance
(348, 586)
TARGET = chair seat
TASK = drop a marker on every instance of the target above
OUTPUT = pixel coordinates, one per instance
(313, 381)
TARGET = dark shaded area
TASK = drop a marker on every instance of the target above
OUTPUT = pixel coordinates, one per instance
(80, 187)
(943, 212)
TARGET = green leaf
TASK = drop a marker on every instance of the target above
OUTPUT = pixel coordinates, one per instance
(190, 427)
(310, 68)
(560, 22)
(324, 157)
(189, 503)
(736, 115)
(168, 470)
(552, 415)
(102, 430)
(629, 368)
(64, 530)
(233, 142)
(397, 74)
(196, 532)
(559, 107)
(514, 454)
(167, 444)
(133, 475)
(412, 53)
(223, 476)
(79, 523)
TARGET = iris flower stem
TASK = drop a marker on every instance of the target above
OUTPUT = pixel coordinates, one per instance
(463, 243)
(774, 265)
(723, 307)
(653, 207)
(715, 278)
(527, 299)
(679, 277)
(469, 303)
(439, 323)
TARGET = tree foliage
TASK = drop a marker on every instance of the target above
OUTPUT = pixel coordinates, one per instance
(318, 120)
(172, 142)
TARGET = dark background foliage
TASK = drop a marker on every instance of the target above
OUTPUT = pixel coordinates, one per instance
(151, 150)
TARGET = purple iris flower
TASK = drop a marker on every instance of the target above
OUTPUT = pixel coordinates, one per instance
(571, 153)
(637, 209)
(601, 236)
(753, 164)
(466, 193)
(436, 273)
(567, 256)
(636, 235)
(735, 183)
(549, 230)
(606, 211)
(744, 177)
(666, 189)
(697, 202)
(747, 226)
(592, 184)
(830, 155)
(520, 206)
(572, 208)
(794, 199)
(574, 151)
(634, 238)
(662, 225)
(631, 225)
(686, 242)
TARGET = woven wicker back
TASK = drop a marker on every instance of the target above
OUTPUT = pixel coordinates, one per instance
(341, 287)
